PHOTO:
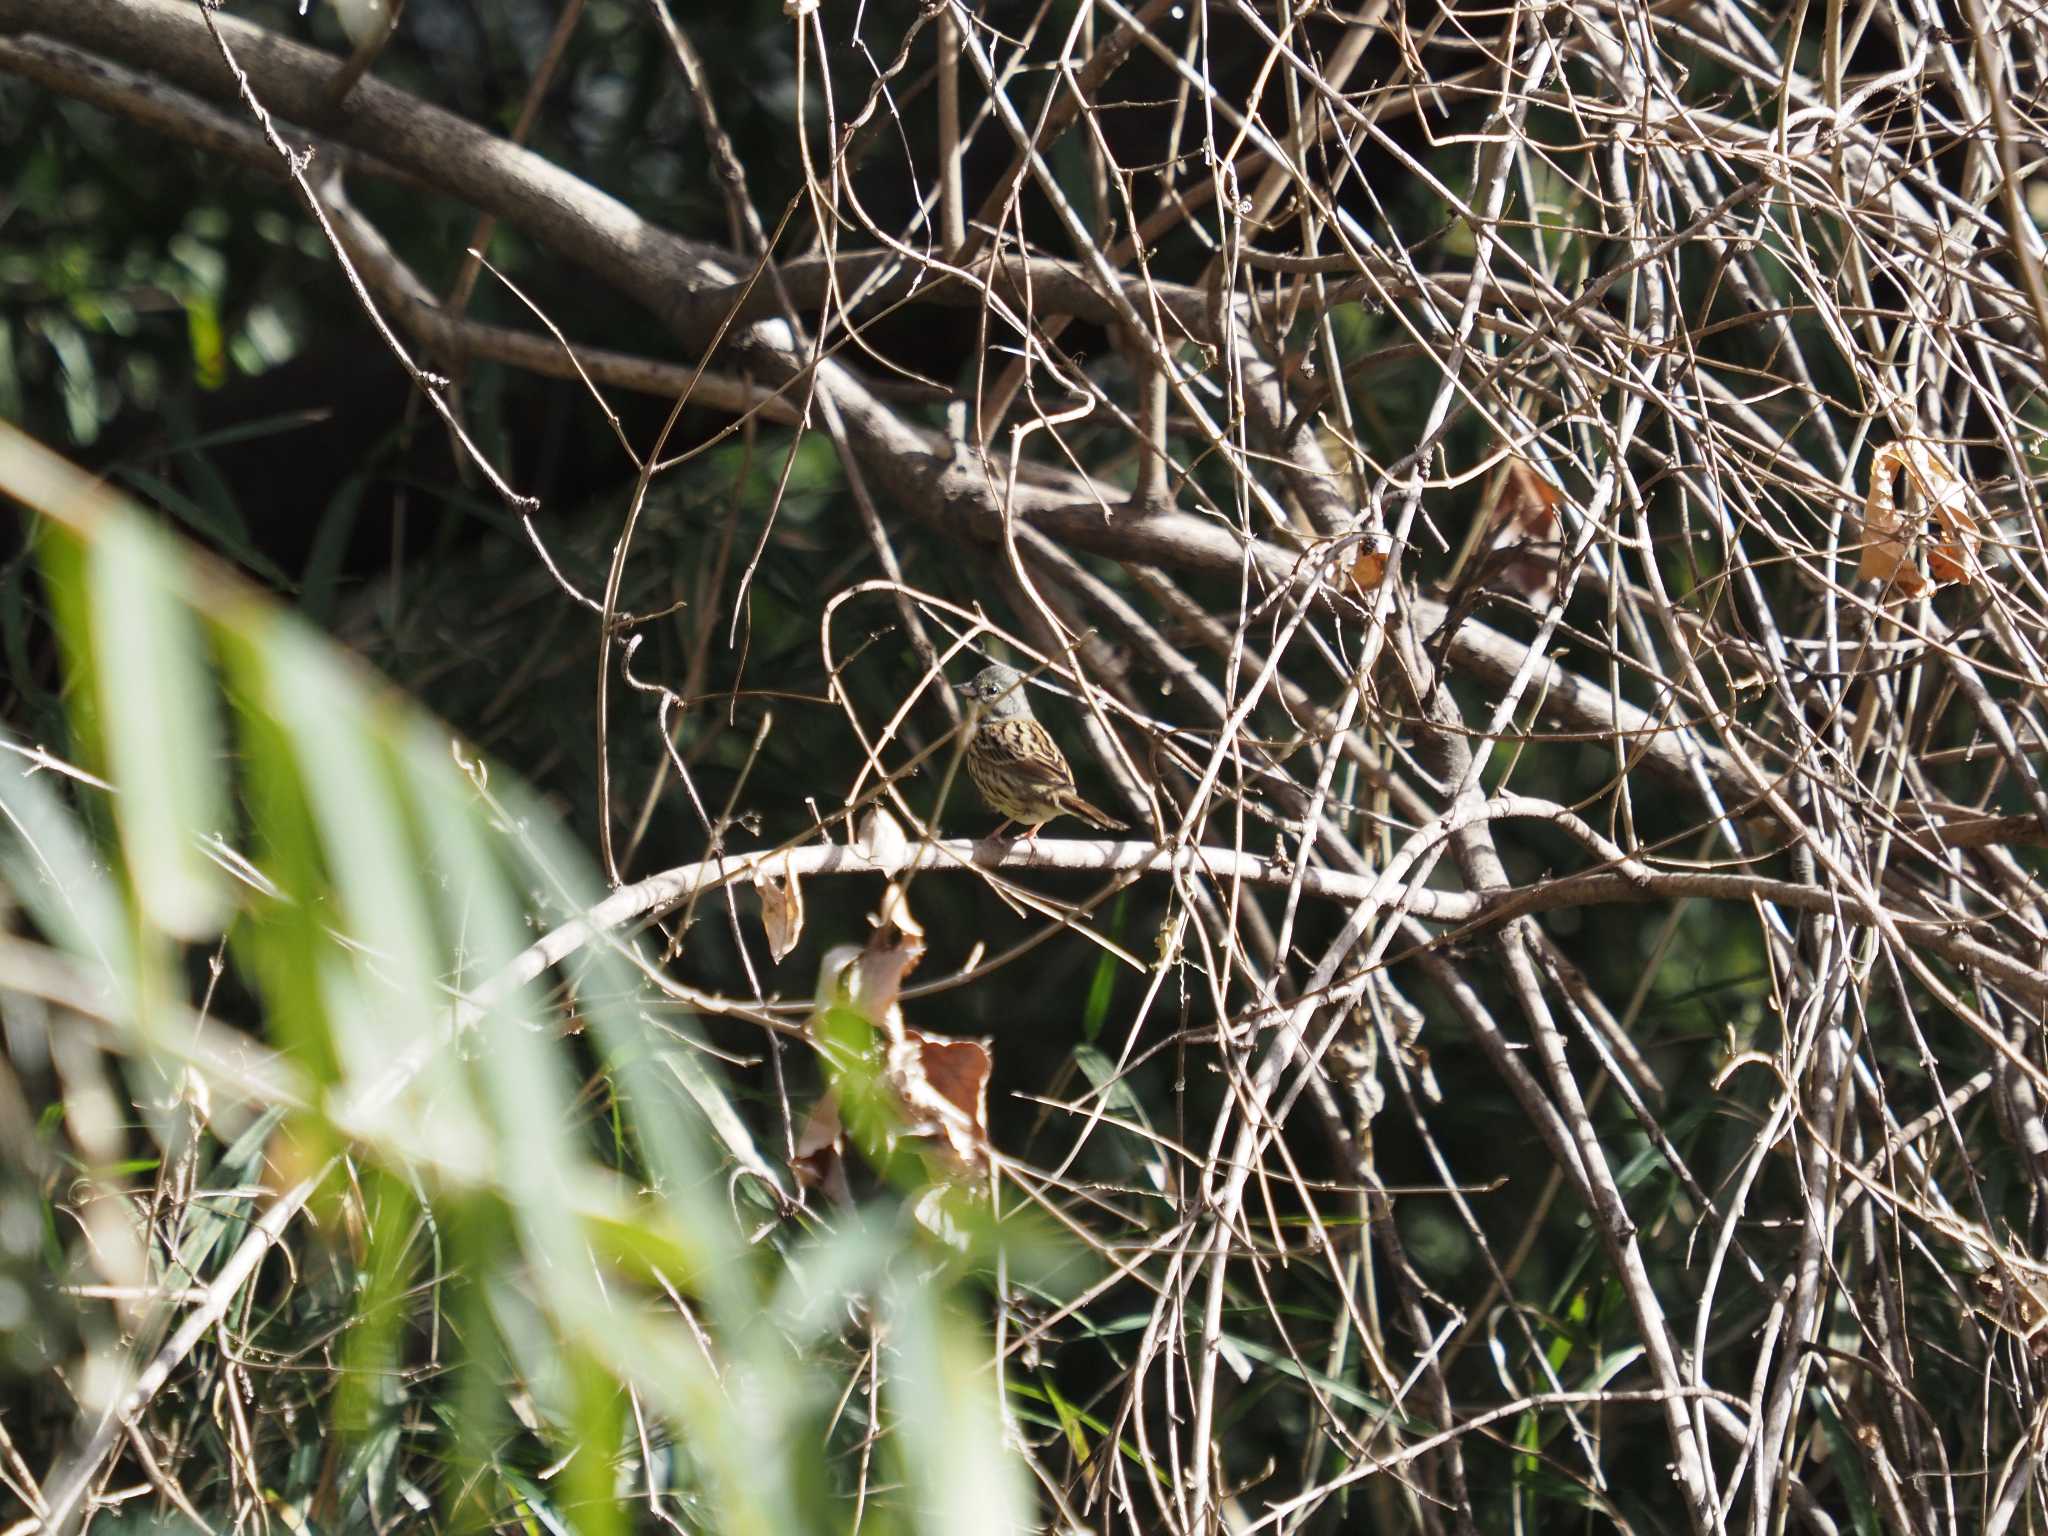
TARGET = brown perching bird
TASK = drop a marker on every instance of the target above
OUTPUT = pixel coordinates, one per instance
(1014, 761)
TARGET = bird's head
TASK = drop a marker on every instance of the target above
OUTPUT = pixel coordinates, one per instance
(998, 692)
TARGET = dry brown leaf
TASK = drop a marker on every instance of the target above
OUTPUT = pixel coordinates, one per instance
(2017, 1304)
(936, 1087)
(1369, 569)
(1524, 545)
(881, 838)
(1891, 539)
(942, 1085)
(893, 952)
(820, 1158)
(782, 908)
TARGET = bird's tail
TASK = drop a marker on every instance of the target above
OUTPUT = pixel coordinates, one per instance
(1075, 805)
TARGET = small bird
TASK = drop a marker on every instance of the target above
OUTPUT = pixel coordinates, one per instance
(1014, 761)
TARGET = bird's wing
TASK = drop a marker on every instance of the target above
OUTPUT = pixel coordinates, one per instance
(1031, 757)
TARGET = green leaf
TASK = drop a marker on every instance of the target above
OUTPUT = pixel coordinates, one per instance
(48, 863)
(1102, 986)
(365, 842)
(156, 713)
(957, 1469)
(215, 518)
(712, 1102)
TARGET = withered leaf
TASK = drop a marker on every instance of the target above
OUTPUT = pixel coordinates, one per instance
(1524, 545)
(782, 908)
(942, 1084)
(1369, 569)
(1892, 540)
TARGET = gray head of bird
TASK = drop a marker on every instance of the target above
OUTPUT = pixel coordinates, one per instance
(998, 692)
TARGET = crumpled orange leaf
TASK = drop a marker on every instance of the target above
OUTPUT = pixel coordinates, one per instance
(1891, 542)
